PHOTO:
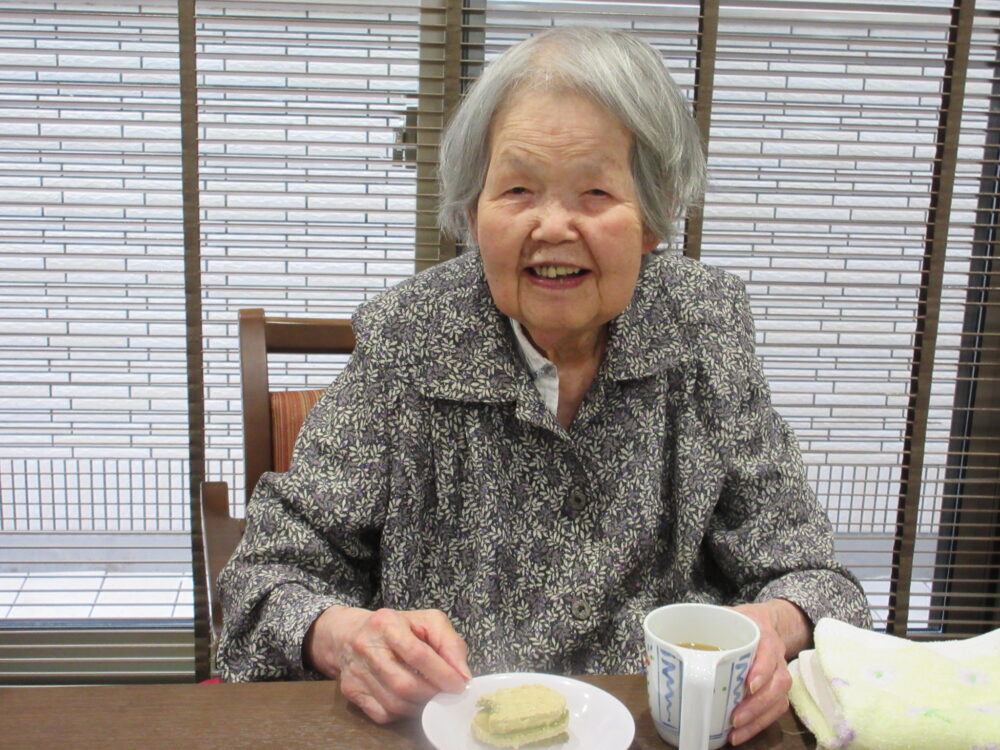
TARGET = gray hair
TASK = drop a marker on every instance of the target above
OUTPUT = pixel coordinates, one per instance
(613, 68)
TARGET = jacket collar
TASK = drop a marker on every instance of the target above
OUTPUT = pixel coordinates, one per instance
(655, 332)
(472, 355)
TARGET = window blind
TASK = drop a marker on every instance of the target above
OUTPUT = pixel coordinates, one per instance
(831, 172)
(825, 128)
(314, 125)
(858, 209)
(92, 432)
(966, 567)
(316, 140)
(92, 441)
(317, 131)
(822, 144)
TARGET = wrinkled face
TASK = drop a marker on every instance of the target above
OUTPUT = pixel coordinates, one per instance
(558, 222)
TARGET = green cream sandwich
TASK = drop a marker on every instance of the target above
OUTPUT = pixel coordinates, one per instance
(520, 716)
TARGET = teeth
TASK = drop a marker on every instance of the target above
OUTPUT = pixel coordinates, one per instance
(554, 272)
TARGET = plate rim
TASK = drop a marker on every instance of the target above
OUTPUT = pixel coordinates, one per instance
(574, 683)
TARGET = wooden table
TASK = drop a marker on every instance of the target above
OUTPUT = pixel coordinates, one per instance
(285, 715)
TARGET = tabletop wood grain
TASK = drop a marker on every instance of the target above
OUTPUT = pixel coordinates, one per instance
(286, 715)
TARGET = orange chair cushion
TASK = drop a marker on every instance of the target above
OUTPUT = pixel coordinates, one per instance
(288, 412)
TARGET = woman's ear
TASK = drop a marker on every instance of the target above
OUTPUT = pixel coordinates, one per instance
(649, 241)
(471, 218)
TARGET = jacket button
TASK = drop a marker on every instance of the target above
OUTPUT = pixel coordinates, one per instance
(577, 500)
(580, 609)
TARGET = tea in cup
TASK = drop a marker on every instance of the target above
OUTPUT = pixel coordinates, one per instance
(697, 659)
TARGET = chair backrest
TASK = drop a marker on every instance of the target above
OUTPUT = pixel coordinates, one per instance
(265, 438)
(271, 422)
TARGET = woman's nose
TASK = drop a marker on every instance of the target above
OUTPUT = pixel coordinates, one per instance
(555, 224)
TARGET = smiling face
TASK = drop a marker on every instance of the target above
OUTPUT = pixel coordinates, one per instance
(558, 222)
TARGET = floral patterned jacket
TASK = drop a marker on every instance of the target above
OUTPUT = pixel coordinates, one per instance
(431, 475)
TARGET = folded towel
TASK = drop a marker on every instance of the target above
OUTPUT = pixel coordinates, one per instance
(869, 691)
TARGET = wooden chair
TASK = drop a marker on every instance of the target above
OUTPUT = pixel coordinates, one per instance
(271, 422)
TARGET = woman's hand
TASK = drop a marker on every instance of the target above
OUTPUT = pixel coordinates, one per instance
(389, 662)
(784, 631)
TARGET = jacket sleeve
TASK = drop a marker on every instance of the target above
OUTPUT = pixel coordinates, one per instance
(312, 535)
(769, 535)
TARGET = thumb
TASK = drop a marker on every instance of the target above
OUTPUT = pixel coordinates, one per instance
(435, 629)
(456, 654)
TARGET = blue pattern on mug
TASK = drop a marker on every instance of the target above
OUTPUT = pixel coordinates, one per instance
(737, 680)
(671, 671)
(738, 677)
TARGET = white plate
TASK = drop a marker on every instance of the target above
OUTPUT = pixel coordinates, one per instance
(597, 720)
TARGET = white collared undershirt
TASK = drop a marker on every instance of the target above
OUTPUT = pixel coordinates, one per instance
(543, 372)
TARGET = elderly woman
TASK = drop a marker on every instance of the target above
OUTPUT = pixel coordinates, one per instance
(538, 442)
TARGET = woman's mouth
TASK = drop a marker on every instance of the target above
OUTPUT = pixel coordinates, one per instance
(557, 272)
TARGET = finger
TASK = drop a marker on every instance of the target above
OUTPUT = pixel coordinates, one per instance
(434, 628)
(421, 657)
(771, 693)
(380, 706)
(400, 679)
(760, 674)
(381, 701)
(758, 710)
(758, 723)
(381, 659)
(392, 697)
(768, 674)
(770, 657)
(372, 708)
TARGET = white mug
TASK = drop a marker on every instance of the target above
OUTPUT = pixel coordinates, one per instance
(692, 692)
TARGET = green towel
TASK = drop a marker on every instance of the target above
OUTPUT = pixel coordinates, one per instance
(870, 691)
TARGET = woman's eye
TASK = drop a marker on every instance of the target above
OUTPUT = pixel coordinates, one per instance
(518, 190)
(596, 191)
